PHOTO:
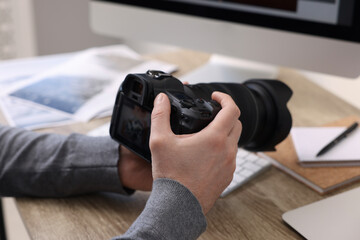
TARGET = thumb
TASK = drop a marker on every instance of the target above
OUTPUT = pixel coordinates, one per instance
(160, 116)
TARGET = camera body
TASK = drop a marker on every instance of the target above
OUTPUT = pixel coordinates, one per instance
(130, 123)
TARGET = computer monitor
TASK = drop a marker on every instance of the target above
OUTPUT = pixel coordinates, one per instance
(316, 35)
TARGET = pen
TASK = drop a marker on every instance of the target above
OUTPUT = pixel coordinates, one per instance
(338, 139)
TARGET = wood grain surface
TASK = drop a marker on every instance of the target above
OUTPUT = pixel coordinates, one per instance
(251, 212)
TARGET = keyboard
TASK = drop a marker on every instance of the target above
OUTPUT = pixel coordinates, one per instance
(248, 166)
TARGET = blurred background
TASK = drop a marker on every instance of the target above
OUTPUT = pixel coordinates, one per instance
(42, 27)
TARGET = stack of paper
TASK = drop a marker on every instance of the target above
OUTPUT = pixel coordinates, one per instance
(44, 92)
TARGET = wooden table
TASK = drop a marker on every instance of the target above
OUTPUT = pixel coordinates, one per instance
(251, 212)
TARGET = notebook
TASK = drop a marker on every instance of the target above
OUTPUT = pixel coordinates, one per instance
(309, 140)
(320, 179)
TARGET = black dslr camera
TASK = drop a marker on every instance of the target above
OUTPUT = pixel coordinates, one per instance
(264, 116)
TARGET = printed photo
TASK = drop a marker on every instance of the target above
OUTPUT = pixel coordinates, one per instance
(22, 114)
(64, 93)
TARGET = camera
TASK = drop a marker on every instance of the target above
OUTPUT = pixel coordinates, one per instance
(264, 116)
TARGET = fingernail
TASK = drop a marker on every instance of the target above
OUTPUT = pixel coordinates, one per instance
(159, 98)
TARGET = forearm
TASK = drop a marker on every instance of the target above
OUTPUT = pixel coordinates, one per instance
(50, 165)
(172, 212)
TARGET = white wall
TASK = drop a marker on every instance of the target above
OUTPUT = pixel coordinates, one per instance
(63, 26)
(16, 29)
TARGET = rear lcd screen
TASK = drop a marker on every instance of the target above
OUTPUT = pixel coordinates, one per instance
(134, 126)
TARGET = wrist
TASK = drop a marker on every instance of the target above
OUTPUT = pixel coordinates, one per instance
(134, 172)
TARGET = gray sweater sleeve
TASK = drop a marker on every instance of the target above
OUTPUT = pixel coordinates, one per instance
(51, 165)
(171, 212)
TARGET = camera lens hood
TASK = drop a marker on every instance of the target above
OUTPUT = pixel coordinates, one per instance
(275, 119)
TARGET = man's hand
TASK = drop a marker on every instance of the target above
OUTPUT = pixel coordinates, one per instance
(204, 162)
(134, 172)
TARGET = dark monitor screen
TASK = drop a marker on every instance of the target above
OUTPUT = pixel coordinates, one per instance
(327, 18)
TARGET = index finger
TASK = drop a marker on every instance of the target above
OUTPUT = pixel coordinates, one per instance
(227, 116)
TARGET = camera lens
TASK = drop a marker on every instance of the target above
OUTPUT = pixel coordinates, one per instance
(264, 116)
